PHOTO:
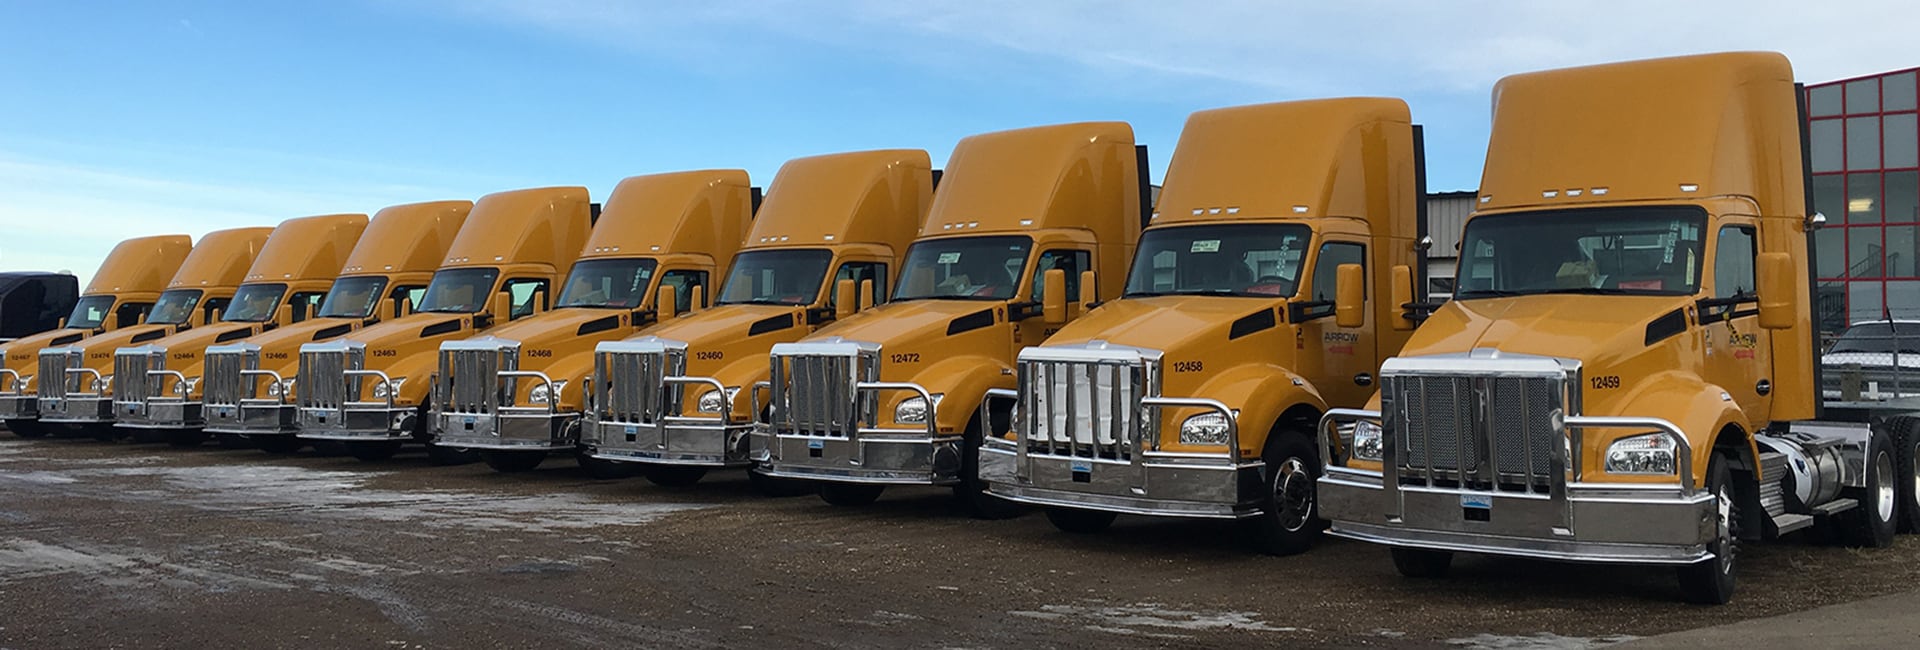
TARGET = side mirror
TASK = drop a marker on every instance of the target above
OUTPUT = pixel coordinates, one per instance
(1053, 297)
(283, 316)
(62, 324)
(1349, 296)
(666, 305)
(210, 316)
(502, 307)
(1779, 305)
(699, 299)
(537, 303)
(1402, 294)
(1089, 291)
(866, 295)
(403, 306)
(844, 299)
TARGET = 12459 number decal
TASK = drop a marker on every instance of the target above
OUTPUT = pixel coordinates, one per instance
(1604, 382)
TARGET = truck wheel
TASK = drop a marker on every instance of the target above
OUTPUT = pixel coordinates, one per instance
(672, 476)
(511, 462)
(604, 470)
(27, 428)
(1871, 524)
(1904, 433)
(1711, 581)
(443, 455)
(278, 444)
(850, 494)
(1290, 520)
(972, 492)
(373, 451)
(774, 486)
(1421, 562)
(1080, 522)
(186, 438)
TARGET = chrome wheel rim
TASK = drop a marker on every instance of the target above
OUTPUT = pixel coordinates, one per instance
(1724, 513)
(1293, 492)
(1883, 493)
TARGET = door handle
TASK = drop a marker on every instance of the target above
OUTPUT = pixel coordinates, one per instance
(1363, 379)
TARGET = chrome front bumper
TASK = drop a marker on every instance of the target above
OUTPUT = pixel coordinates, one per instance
(680, 440)
(509, 429)
(19, 406)
(864, 454)
(1635, 523)
(76, 409)
(252, 417)
(356, 422)
(158, 413)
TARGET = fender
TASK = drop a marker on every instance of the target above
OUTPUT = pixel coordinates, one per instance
(1260, 392)
(964, 380)
(745, 372)
(419, 369)
(1697, 407)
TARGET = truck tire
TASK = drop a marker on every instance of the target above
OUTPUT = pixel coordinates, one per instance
(27, 428)
(1904, 433)
(374, 450)
(444, 456)
(774, 486)
(972, 492)
(1290, 519)
(1711, 581)
(186, 438)
(1080, 522)
(233, 441)
(602, 469)
(1421, 562)
(278, 444)
(1872, 523)
(850, 494)
(672, 475)
(513, 462)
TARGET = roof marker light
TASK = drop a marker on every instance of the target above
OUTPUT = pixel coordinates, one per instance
(973, 224)
(1213, 211)
(1300, 209)
(829, 237)
(1689, 187)
(1548, 194)
(1026, 222)
(1599, 191)
(656, 248)
(497, 258)
(1233, 210)
(1199, 210)
(1573, 193)
(1486, 198)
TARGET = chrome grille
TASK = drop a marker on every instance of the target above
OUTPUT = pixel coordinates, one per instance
(813, 386)
(54, 381)
(1486, 430)
(472, 382)
(130, 380)
(628, 380)
(221, 374)
(323, 377)
(1081, 406)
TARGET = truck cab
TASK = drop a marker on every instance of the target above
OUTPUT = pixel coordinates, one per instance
(1244, 318)
(889, 396)
(119, 295)
(1626, 372)
(248, 385)
(81, 400)
(657, 248)
(370, 389)
(672, 400)
(157, 384)
(32, 302)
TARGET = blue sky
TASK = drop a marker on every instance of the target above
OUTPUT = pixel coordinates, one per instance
(123, 119)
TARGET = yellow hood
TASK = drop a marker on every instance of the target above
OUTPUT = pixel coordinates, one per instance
(280, 348)
(22, 354)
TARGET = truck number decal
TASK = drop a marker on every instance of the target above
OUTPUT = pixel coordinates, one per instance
(386, 353)
(1604, 382)
(182, 355)
(905, 357)
(540, 353)
(1187, 366)
(709, 355)
(277, 355)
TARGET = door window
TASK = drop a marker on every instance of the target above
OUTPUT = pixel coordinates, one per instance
(1072, 262)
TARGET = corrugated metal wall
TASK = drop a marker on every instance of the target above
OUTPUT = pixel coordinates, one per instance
(1446, 214)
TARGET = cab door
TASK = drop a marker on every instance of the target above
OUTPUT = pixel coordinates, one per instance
(1738, 351)
(1033, 329)
(1340, 361)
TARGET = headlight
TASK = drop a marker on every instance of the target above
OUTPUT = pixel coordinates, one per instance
(913, 410)
(713, 402)
(1367, 438)
(279, 388)
(101, 383)
(1643, 454)
(23, 382)
(1204, 429)
(185, 387)
(386, 389)
(544, 393)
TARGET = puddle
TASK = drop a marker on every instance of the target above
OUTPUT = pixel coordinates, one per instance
(1536, 641)
(1151, 619)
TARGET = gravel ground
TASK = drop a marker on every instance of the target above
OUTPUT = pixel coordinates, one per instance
(124, 545)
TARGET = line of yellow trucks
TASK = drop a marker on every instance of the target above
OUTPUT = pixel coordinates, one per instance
(1626, 372)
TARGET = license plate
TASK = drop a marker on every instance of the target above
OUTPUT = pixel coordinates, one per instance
(632, 430)
(816, 444)
(468, 420)
(1476, 501)
(1082, 468)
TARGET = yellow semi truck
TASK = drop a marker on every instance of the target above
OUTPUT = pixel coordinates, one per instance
(157, 384)
(119, 295)
(671, 400)
(248, 385)
(81, 400)
(369, 390)
(1245, 317)
(654, 252)
(889, 396)
(1626, 372)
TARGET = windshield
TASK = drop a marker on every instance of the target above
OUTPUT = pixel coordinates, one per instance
(1636, 251)
(254, 303)
(90, 312)
(353, 297)
(620, 283)
(971, 268)
(790, 277)
(1236, 260)
(1903, 338)
(459, 291)
(174, 307)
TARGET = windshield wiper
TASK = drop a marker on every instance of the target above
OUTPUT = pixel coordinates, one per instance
(1491, 293)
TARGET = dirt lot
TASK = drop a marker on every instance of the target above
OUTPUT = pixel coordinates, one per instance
(107, 545)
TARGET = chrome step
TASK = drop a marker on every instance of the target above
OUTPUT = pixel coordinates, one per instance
(1784, 524)
(1835, 507)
